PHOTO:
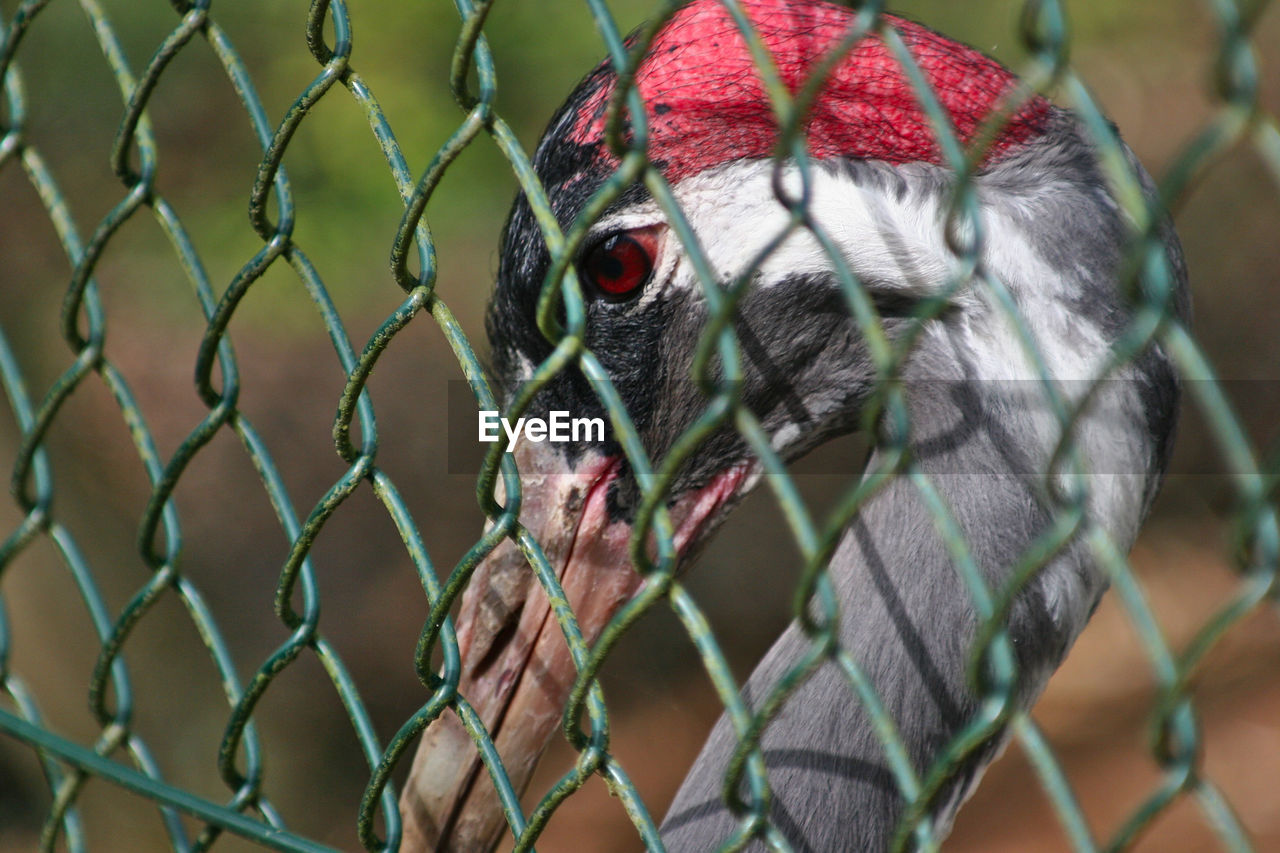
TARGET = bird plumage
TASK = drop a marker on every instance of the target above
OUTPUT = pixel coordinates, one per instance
(1053, 242)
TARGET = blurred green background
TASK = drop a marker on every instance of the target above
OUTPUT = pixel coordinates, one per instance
(1149, 64)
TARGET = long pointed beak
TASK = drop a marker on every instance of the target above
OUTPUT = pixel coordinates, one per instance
(516, 667)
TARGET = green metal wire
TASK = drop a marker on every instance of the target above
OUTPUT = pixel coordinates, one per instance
(120, 756)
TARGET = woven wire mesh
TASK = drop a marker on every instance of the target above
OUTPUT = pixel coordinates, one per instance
(118, 753)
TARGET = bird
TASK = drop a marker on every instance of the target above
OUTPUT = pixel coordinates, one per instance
(1053, 246)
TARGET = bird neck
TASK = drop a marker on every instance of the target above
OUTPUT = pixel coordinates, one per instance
(908, 620)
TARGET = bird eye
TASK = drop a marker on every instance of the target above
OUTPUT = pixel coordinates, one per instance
(619, 266)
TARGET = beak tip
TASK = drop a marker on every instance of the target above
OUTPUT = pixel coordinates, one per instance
(436, 780)
(517, 670)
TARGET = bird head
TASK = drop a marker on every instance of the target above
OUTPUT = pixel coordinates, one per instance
(877, 193)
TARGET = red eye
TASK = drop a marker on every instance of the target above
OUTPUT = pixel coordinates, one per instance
(620, 265)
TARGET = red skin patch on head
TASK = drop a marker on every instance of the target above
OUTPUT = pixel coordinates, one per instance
(706, 104)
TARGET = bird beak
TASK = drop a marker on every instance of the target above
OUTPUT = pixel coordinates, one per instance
(516, 668)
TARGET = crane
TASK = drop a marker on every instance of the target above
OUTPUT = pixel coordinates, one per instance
(1055, 238)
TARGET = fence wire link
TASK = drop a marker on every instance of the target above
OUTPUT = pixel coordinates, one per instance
(120, 756)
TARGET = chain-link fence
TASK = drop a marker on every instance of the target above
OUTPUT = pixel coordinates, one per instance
(180, 681)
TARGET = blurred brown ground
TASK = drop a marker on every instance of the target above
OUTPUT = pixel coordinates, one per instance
(1148, 64)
